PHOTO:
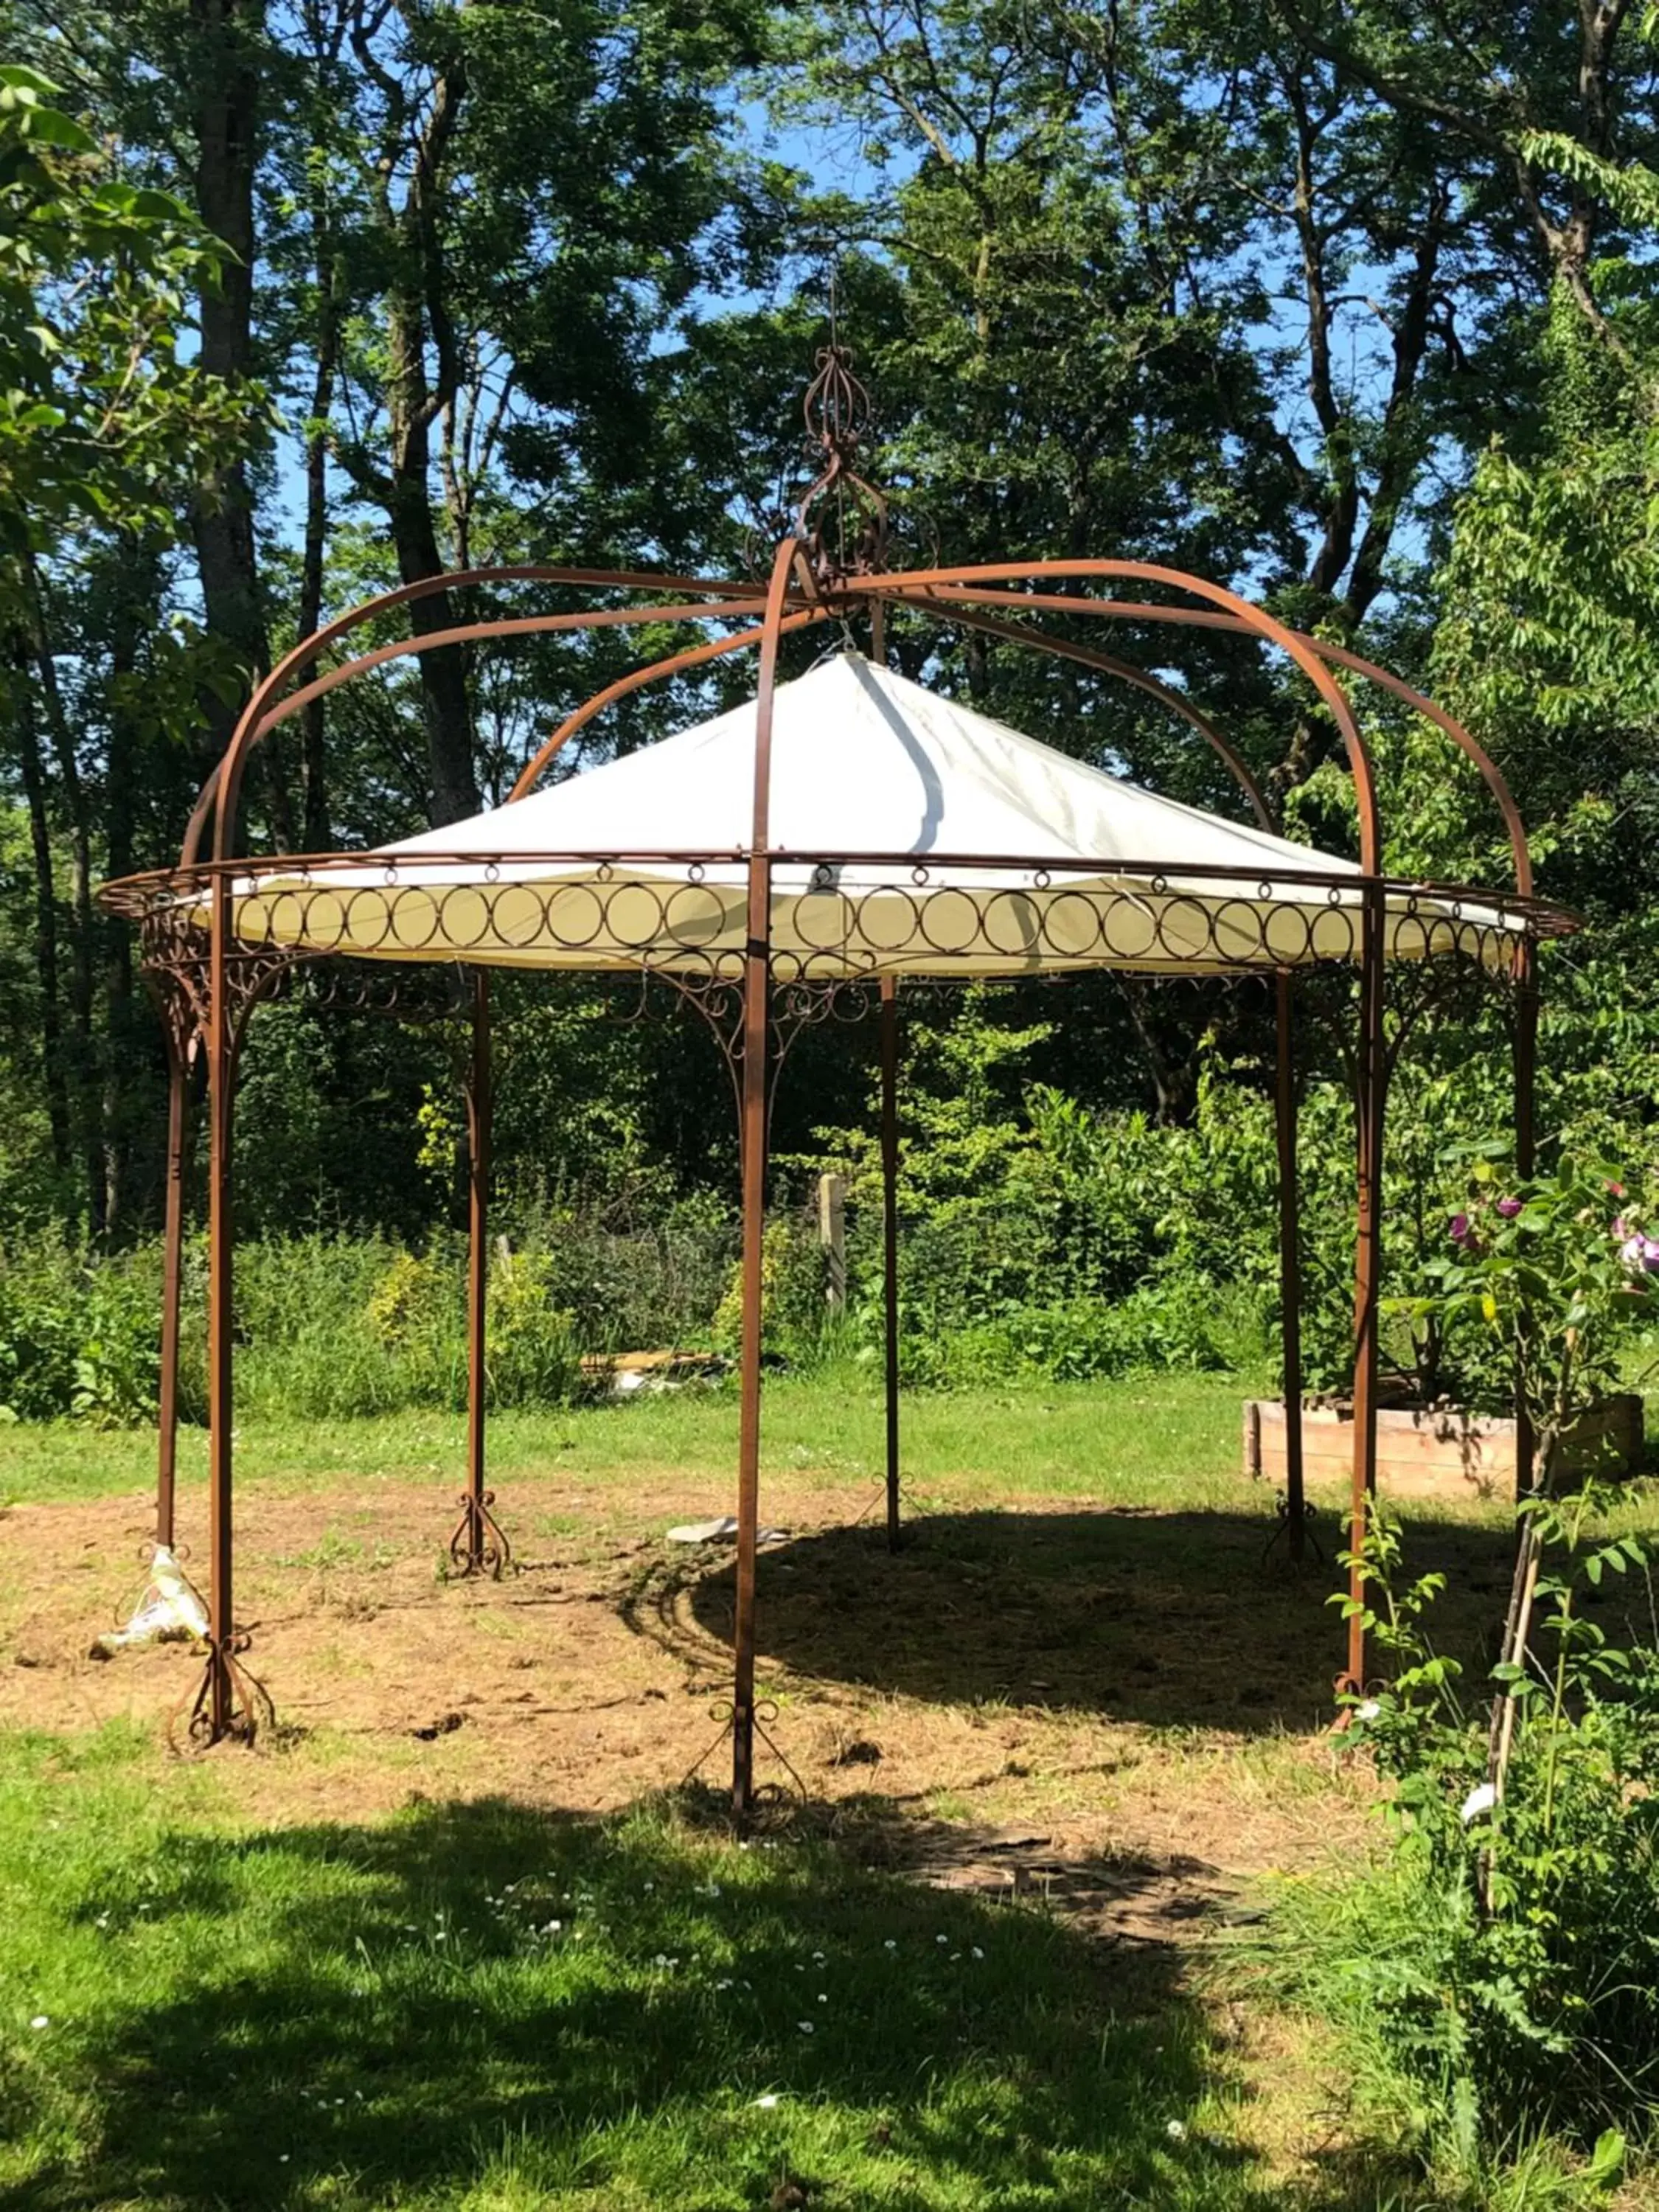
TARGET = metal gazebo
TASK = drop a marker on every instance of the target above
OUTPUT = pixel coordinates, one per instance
(799, 849)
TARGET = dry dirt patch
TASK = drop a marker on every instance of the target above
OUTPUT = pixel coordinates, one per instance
(1124, 1709)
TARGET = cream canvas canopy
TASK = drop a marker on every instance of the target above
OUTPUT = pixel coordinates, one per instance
(915, 836)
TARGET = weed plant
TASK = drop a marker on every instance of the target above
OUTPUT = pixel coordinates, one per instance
(1495, 1972)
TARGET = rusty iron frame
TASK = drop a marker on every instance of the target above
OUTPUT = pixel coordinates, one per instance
(889, 1284)
(477, 1544)
(838, 416)
(181, 1034)
(208, 972)
(1290, 1260)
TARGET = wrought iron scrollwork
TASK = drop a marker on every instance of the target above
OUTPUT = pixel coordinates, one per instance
(177, 964)
(763, 1718)
(422, 997)
(1283, 1516)
(841, 920)
(229, 1703)
(479, 1544)
(838, 416)
(794, 1002)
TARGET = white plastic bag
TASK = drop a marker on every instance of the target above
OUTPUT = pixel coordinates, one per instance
(170, 1611)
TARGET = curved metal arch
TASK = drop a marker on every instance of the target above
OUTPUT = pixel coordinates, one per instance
(1227, 612)
(1109, 665)
(404, 648)
(1205, 618)
(251, 725)
(505, 626)
(693, 656)
(1450, 726)
(651, 671)
(910, 585)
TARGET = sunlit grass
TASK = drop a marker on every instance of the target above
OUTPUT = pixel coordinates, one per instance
(1138, 1438)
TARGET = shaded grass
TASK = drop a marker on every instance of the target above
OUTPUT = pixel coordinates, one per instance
(1165, 1619)
(489, 2006)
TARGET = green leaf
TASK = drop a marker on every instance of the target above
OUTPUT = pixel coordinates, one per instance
(19, 77)
(50, 126)
(1606, 2164)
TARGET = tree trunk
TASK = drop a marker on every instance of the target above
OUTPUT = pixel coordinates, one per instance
(316, 834)
(59, 1120)
(445, 704)
(420, 329)
(228, 65)
(418, 312)
(1401, 441)
(1341, 472)
(127, 1045)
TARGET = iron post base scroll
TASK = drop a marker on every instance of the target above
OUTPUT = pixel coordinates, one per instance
(1293, 1527)
(478, 1544)
(886, 1500)
(739, 1728)
(231, 1704)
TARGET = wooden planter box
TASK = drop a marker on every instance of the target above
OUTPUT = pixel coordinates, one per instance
(1438, 1453)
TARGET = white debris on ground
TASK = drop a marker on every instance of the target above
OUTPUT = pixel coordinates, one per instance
(723, 1531)
(620, 1374)
(170, 1611)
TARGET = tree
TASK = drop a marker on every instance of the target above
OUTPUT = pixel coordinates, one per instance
(1542, 105)
(101, 421)
(227, 77)
(539, 190)
(104, 431)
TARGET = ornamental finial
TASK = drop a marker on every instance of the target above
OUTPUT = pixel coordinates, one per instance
(842, 518)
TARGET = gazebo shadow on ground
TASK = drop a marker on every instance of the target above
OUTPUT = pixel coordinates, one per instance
(338, 2035)
(1170, 1620)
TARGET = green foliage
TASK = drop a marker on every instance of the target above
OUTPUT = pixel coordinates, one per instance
(1040, 370)
(1040, 1237)
(336, 1327)
(1158, 1327)
(77, 1336)
(794, 1315)
(1504, 1958)
(117, 1368)
(102, 420)
(1548, 630)
(1544, 1281)
(530, 1354)
(634, 1280)
(1503, 1961)
(327, 1327)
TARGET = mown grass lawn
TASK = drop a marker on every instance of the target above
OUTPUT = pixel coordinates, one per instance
(487, 2000)
(1155, 1440)
(478, 2005)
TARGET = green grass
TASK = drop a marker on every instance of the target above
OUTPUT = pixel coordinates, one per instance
(1137, 1439)
(358, 2015)
(484, 2006)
